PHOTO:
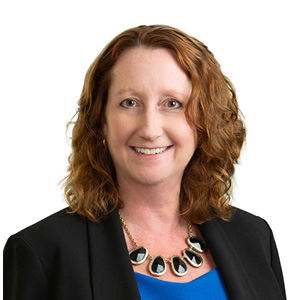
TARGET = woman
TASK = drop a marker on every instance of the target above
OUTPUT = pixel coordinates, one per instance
(155, 141)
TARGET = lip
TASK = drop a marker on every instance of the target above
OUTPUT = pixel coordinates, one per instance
(150, 148)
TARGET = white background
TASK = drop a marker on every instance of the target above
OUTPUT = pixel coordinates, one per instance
(47, 47)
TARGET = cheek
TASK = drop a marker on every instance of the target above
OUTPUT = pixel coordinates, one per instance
(117, 131)
(185, 134)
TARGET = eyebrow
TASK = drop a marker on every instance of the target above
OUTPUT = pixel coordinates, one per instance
(124, 91)
(168, 92)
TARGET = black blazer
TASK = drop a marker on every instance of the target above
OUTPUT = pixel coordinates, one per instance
(67, 257)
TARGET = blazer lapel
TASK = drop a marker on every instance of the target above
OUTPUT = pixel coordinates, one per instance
(112, 275)
(236, 280)
(111, 271)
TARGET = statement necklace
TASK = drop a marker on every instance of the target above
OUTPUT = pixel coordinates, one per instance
(158, 265)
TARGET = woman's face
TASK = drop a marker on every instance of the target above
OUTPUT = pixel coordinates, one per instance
(148, 136)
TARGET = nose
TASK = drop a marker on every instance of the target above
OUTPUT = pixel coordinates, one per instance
(150, 125)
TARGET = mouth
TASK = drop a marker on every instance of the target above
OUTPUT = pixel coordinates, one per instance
(150, 151)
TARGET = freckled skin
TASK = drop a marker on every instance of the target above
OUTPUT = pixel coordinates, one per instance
(152, 78)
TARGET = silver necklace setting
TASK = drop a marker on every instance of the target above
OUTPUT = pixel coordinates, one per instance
(158, 265)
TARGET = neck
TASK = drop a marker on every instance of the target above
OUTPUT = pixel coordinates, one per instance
(151, 206)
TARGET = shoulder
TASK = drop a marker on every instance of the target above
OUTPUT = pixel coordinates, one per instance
(62, 219)
(60, 237)
(60, 227)
(242, 225)
(246, 229)
(243, 220)
(246, 220)
(41, 257)
(246, 242)
(247, 235)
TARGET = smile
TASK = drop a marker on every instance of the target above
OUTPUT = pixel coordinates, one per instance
(150, 151)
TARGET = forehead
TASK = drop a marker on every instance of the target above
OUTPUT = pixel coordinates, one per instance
(140, 66)
(142, 57)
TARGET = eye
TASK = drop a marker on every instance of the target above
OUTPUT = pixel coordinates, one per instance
(127, 103)
(173, 104)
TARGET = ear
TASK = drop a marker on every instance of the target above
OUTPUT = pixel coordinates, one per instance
(103, 125)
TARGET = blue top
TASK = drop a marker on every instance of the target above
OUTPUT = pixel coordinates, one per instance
(207, 287)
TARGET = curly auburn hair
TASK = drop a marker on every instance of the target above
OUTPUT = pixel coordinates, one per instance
(91, 188)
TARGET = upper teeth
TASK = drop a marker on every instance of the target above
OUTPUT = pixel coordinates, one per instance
(150, 151)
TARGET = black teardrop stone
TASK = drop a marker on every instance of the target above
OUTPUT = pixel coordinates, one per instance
(197, 244)
(179, 266)
(157, 266)
(193, 257)
(138, 255)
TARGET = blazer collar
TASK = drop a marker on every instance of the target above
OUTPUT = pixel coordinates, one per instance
(111, 271)
(234, 275)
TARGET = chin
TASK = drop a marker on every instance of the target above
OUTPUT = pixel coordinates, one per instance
(151, 179)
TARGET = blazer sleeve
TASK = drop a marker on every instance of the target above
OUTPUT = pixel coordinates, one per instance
(23, 274)
(275, 263)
